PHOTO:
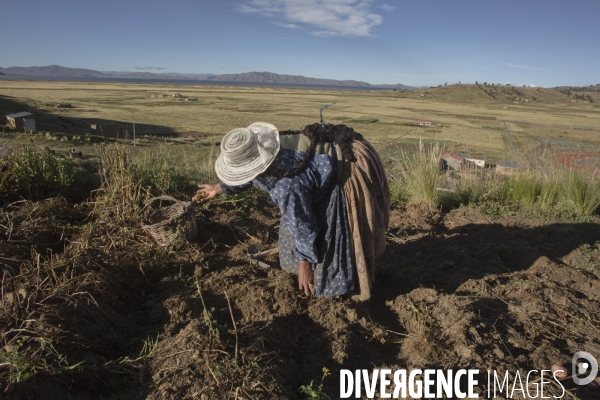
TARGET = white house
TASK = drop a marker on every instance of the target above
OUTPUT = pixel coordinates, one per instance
(479, 161)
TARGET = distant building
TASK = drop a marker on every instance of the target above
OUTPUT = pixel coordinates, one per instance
(506, 167)
(452, 161)
(425, 122)
(178, 96)
(17, 121)
(477, 160)
(63, 105)
(29, 124)
(107, 130)
(458, 161)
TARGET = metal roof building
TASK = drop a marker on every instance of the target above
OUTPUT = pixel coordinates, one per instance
(452, 161)
(20, 120)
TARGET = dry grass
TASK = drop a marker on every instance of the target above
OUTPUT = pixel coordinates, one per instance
(469, 120)
(415, 177)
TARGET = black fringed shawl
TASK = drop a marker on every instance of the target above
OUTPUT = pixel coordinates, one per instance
(341, 135)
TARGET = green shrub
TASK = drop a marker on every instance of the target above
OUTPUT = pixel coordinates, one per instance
(476, 192)
(32, 174)
(549, 192)
(158, 177)
(590, 255)
(580, 193)
(316, 392)
(524, 188)
(415, 178)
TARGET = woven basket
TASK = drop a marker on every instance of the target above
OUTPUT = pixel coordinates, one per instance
(167, 224)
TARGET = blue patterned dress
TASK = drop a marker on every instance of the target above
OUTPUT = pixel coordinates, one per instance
(314, 224)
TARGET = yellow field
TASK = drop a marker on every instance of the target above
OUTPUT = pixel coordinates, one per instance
(470, 119)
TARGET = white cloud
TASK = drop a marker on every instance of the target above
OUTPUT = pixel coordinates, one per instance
(324, 17)
(148, 68)
(387, 7)
(289, 26)
(524, 67)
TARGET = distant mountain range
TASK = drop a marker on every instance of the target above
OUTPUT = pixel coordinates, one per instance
(50, 70)
(251, 77)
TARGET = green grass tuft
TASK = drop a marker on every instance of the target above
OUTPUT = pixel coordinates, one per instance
(34, 174)
(581, 193)
(415, 178)
(524, 188)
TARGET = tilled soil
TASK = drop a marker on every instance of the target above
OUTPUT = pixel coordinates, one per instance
(453, 290)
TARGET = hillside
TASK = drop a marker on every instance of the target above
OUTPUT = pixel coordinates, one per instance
(251, 77)
(270, 77)
(591, 88)
(50, 70)
(469, 93)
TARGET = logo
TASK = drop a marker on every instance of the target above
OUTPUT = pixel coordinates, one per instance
(584, 363)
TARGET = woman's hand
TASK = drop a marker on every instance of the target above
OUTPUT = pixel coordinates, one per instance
(207, 192)
(306, 277)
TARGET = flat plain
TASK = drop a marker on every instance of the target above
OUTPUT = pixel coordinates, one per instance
(467, 118)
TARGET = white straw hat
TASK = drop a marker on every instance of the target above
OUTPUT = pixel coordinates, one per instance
(246, 153)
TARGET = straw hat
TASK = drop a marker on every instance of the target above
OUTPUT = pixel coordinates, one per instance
(246, 153)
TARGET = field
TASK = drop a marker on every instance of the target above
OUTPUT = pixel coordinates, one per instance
(469, 117)
(483, 278)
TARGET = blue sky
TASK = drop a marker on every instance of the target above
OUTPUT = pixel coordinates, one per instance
(418, 42)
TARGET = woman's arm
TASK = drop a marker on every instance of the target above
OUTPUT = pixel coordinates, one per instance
(208, 191)
(299, 219)
(229, 190)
